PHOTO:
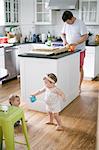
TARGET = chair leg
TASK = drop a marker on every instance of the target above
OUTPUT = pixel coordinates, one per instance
(1, 138)
(24, 128)
(8, 130)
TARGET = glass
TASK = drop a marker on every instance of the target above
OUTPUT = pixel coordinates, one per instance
(93, 6)
(46, 17)
(39, 1)
(39, 17)
(39, 7)
(85, 11)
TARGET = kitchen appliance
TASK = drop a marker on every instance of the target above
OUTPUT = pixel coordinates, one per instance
(63, 4)
(10, 62)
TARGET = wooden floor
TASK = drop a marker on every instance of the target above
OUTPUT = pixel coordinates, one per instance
(79, 120)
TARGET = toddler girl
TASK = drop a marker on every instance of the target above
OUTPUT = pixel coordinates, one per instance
(53, 96)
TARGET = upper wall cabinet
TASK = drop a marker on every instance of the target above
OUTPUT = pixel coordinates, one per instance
(9, 12)
(27, 12)
(42, 12)
(89, 10)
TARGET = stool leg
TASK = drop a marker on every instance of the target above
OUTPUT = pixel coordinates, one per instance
(1, 138)
(24, 128)
(8, 130)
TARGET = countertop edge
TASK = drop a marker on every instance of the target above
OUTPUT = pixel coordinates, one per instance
(48, 56)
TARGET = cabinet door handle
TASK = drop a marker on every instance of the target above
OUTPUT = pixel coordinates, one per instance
(8, 50)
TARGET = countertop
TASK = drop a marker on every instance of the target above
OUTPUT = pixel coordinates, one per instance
(17, 44)
(92, 44)
(51, 56)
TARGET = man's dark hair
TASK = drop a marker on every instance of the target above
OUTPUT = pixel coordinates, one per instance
(67, 15)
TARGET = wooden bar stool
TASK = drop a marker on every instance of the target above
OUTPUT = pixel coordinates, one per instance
(7, 121)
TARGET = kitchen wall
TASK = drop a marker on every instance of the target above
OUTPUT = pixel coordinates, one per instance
(28, 20)
(27, 23)
(57, 24)
(2, 30)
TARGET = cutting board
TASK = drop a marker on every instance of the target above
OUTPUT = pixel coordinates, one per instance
(43, 47)
(50, 49)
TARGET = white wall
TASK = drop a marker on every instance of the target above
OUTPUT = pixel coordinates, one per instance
(28, 21)
(57, 24)
(27, 17)
(2, 30)
(55, 27)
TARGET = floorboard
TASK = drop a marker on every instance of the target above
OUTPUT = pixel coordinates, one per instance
(79, 120)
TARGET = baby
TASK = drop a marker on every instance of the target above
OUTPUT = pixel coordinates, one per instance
(53, 97)
(14, 100)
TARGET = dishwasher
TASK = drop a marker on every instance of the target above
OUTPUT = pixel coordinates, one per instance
(10, 62)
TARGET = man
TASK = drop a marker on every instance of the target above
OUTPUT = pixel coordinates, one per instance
(74, 33)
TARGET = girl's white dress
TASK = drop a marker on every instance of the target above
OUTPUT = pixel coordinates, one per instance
(52, 100)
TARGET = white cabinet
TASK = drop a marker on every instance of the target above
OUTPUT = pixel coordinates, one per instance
(2, 14)
(42, 12)
(27, 15)
(91, 62)
(2, 58)
(9, 12)
(88, 11)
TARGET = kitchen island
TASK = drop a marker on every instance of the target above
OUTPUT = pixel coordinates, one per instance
(33, 67)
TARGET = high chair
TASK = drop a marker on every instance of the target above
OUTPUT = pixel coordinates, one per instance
(7, 121)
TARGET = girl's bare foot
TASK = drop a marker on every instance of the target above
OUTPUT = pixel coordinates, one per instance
(59, 128)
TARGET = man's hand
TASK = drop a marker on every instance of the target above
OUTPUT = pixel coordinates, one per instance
(64, 42)
(71, 47)
(63, 37)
